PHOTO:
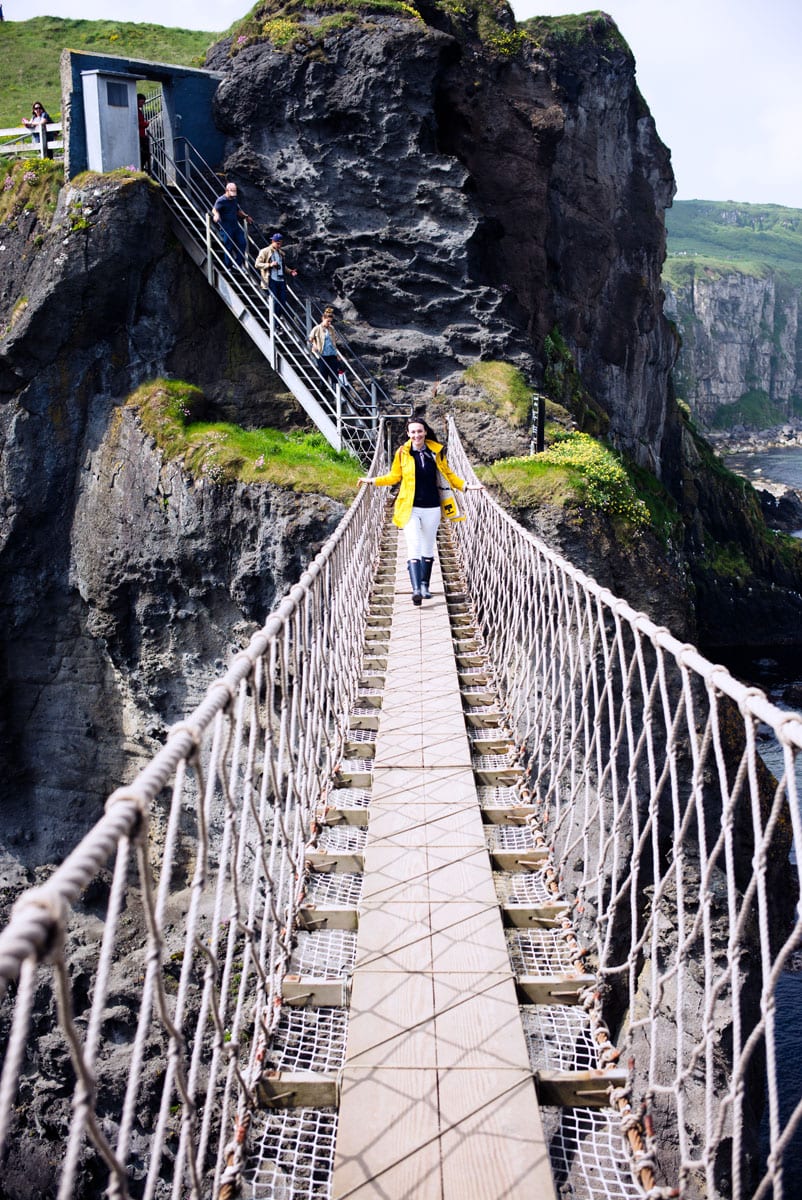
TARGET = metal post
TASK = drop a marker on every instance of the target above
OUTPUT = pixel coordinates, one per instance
(308, 312)
(374, 403)
(209, 263)
(338, 396)
(271, 323)
(244, 225)
(537, 442)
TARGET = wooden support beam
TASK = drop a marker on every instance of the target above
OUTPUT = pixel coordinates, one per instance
(306, 1089)
(331, 814)
(300, 991)
(520, 815)
(520, 860)
(335, 862)
(578, 1089)
(554, 989)
(535, 916)
(314, 917)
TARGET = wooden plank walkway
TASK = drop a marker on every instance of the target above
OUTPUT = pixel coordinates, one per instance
(438, 1100)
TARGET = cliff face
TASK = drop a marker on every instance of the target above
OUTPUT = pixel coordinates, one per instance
(124, 583)
(457, 202)
(740, 333)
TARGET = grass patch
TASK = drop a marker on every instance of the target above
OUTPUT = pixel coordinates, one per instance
(754, 410)
(171, 413)
(727, 562)
(30, 52)
(579, 470)
(680, 270)
(724, 237)
(507, 392)
(555, 33)
(30, 185)
(305, 24)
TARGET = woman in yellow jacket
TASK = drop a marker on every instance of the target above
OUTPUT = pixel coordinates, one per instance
(417, 508)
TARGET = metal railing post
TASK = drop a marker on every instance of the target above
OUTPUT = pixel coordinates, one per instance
(209, 263)
(374, 403)
(308, 315)
(338, 398)
(271, 322)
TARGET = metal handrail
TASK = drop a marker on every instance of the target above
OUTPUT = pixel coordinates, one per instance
(355, 400)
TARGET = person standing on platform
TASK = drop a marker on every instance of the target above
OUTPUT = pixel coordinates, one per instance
(38, 118)
(142, 125)
(417, 466)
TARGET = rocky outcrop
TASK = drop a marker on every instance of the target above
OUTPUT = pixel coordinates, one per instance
(781, 506)
(741, 333)
(124, 583)
(457, 202)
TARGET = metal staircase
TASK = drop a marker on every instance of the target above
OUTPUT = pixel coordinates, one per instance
(346, 411)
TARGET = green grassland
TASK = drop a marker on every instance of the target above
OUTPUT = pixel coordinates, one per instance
(172, 412)
(30, 53)
(720, 237)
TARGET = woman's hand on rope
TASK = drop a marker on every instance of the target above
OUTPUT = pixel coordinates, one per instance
(474, 487)
(366, 479)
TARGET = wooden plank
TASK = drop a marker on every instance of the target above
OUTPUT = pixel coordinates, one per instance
(520, 815)
(554, 989)
(532, 859)
(314, 917)
(299, 991)
(332, 814)
(578, 1089)
(388, 1136)
(280, 1089)
(492, 1139)
(333, 862)
(535, 916)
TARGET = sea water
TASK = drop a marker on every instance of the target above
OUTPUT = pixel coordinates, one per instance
(778, 671)
(774, 466)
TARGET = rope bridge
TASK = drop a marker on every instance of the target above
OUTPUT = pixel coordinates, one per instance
(651, 797)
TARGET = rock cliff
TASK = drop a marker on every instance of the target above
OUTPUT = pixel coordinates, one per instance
(124, 583)
(741, 333)
(458, 200)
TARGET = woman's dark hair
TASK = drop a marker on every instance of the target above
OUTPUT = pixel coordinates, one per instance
(414, 419)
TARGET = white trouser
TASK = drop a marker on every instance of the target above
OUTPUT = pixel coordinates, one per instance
(421, 532)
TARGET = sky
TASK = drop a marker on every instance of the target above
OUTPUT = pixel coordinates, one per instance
(721, 77)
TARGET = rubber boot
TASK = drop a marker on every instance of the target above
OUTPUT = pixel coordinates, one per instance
(414, 568)
(426, 565)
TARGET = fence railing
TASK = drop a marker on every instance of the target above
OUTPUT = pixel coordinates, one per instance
(44, 142)
(670, 794)
(352, 401)
(163, 939)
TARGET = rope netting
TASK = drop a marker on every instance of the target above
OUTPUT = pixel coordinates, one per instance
(669, 796)
(163, 939)
(668, 792)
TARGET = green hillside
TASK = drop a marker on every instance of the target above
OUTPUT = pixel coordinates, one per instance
(752, 238)
(30, 52)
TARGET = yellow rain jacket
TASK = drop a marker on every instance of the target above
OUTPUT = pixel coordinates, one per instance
(403, 472)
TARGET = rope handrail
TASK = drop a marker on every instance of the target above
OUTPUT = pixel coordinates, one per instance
(670, 794)
(190, 912)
